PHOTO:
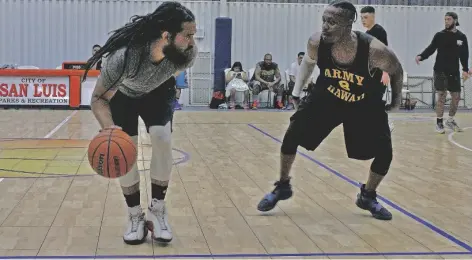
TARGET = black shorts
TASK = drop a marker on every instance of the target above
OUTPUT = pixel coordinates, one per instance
(155, 108)
(447, 81)
(366, 129)
(290, 86)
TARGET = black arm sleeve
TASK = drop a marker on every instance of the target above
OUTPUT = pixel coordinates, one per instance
(464, 54)
(431, 48)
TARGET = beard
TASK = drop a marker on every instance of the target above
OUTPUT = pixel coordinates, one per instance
(178, 56)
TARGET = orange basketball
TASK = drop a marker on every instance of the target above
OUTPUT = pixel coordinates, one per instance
(112, 153)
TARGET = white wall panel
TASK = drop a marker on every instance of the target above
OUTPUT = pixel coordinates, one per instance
(279, 29)
(44, 33)
(283, 30)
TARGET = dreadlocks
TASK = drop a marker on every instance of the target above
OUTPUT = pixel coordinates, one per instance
(143, 30)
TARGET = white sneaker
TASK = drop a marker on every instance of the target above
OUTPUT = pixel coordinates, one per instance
(136, 231)
(157, 221)
(440, 128)
(451, 124)
(391, 126)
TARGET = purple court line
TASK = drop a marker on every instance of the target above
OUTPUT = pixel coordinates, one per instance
(387, 201)
(186, 158)
(240, 255)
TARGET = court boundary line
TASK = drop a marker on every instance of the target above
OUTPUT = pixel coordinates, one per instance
(347, 254)
(239, 255)
(452, 141)
(387, 201)
(53, 131)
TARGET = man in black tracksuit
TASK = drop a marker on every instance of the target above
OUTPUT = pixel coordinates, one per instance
(452, 47)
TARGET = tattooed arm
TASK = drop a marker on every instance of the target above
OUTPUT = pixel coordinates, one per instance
(308, 64)
(382, 57)
(257, 74)
(278, 77)
(113, 69)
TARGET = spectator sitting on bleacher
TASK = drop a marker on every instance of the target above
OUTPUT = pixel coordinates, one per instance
(293, 71)
(98, 65)
(236, 80)
(266, 76)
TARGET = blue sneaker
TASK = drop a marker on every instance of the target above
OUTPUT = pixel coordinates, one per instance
(367, 200)
(282, 191)
(177, 106)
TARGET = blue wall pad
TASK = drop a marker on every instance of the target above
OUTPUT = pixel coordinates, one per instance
(223, 34)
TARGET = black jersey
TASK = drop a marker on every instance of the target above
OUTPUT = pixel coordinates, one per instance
(353, 84)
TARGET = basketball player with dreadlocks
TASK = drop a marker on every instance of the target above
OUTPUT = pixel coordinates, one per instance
(345, 93)
(452, 47)
(138, 79)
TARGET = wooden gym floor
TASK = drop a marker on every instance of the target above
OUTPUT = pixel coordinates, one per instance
(51, 204)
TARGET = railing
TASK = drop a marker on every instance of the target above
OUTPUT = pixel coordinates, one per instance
(200, 79)
(422, 90)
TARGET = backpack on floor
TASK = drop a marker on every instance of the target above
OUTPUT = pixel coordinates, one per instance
(217, 99)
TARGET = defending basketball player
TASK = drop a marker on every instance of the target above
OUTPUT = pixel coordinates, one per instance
(452, 47)
(345, 93)
(138, 79)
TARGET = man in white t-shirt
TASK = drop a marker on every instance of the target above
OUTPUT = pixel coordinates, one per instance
(293, 71)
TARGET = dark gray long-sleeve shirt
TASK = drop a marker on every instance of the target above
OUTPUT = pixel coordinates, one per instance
(452, 47)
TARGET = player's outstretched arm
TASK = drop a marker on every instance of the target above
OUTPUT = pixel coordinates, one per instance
(432, 47)
(382, 57)
(308, 64)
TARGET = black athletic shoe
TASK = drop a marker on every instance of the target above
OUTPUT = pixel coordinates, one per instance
(282, 191)
(368, 200)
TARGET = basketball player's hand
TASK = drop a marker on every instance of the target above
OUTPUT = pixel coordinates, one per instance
(385, 78)
(110, 127)
(418, 59)
(465, 75)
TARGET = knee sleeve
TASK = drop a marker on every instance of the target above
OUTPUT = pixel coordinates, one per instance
(383, 159)
(290, 143)
(130, 182)
(161, 160)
